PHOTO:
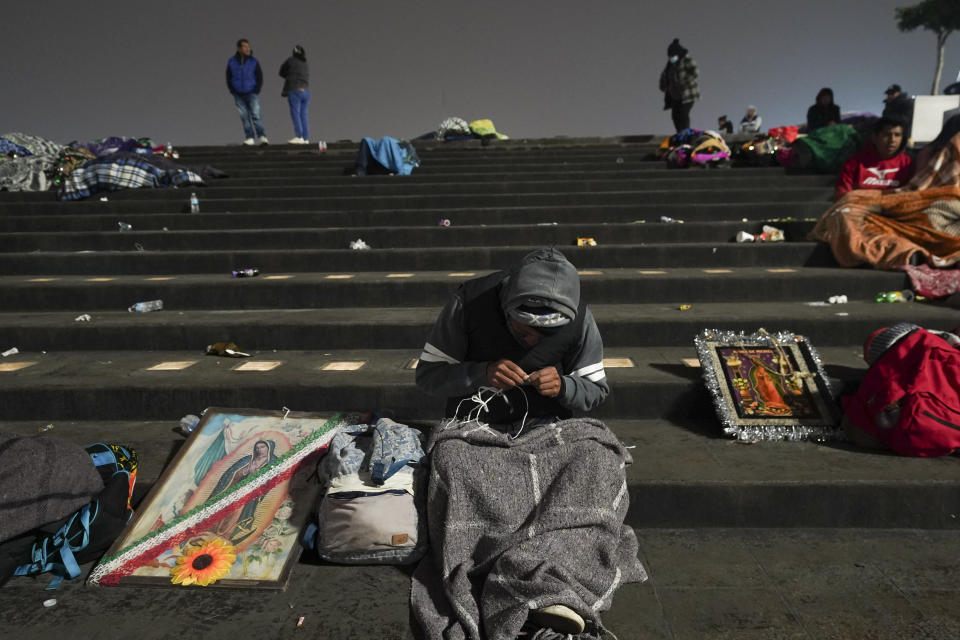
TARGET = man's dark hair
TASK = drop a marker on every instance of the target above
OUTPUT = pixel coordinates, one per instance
(241, 41)
(888, 123)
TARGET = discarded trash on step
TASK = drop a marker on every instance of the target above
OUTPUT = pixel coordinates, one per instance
(444, 222)
(83, 318)
(842, 313)
(226, 349)
(146, 307)
(165, 229)
(249, 272)
(194, 203)
(322, 145)
(586, 242)
(125, 227)
(546, 224)
(138, 246)
(770, 234)
(896, 296)
(816, 303)
(684, 307)
(841, 299)
(359, 244)
(52, 602)
(669, 219)
(12, 351)
(188, 423)
(300, 622)
(45, 428)
(103, 199)
(619, 160)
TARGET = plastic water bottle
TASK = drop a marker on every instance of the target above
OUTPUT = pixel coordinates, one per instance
(125, 227)
(168, 150)
(194, 203)
(145, 307)
(188, 423)
(895, 296)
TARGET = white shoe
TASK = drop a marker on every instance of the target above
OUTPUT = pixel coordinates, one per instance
(302, 141)
(249, 142)
(560, 618)
(263, 140)
(295, 141)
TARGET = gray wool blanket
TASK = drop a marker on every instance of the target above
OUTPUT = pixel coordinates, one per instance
(520, 524)
(41, 481)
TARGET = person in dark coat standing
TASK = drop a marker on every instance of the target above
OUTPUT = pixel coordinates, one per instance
(679, 84)
(244, 81)
(296, 89)
(823, 112)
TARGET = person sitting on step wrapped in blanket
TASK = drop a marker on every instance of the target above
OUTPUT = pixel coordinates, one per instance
(525, 337)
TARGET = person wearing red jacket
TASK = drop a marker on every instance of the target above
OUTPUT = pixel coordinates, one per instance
(882, 164)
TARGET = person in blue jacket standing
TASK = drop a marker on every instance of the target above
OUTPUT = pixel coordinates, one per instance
(244, 80)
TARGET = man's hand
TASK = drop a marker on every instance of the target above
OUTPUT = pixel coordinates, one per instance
(546, 382)
(505, 374)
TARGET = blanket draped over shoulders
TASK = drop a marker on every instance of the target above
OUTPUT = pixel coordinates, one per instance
(885, 229)
(520, 524)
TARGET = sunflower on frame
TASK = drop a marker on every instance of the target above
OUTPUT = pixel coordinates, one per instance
(203, 564)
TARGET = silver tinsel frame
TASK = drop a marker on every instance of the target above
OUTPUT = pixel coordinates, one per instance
(750, 429)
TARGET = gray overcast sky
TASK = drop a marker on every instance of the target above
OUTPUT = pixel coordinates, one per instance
(537, 68)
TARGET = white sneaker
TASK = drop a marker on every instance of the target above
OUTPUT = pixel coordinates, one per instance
(560, 618)
(249, 142)
(295, 141)
(263, 140)
(302, 141)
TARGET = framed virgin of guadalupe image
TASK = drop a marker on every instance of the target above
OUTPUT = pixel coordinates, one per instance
(767, 386)
(228, 510)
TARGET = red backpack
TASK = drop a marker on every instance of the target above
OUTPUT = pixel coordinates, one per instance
(910, 397)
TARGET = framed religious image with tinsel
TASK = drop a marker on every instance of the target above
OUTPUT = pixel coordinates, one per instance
(767, 386)
(228, 509)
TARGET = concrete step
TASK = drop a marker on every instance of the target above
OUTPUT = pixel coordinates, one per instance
(621, 325)
(79, 385)
(282, 183)
(160, 255)
(375, 289)
(685, 475)
(473, 198)
(293, 216)
(803, 583)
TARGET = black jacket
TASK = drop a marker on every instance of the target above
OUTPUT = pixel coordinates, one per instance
(820, 115)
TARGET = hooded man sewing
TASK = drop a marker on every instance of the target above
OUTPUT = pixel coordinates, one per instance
(523, 331)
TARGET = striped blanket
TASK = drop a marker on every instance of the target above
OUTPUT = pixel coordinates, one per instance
(520, 524)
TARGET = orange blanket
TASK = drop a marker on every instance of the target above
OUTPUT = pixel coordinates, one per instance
(886, 229)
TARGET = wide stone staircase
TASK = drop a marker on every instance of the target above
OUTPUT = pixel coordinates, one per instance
(332, 328)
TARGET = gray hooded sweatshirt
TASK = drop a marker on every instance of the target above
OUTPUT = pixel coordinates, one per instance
(543, 279)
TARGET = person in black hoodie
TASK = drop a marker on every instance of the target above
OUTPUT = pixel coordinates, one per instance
(824, 112)
(296, 89)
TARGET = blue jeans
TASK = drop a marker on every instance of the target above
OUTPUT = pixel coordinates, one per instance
(299, 105)
(248, 105)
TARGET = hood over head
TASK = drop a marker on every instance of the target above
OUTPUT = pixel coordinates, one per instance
(542, 291)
